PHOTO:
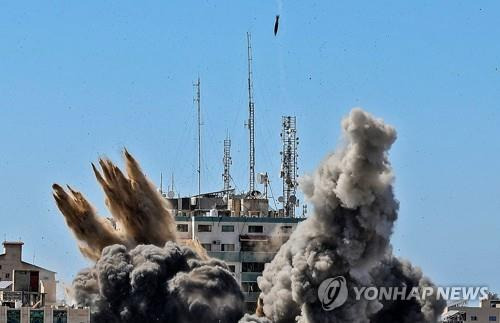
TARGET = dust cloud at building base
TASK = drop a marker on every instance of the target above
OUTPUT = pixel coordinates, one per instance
(348, 235)
(142, 274)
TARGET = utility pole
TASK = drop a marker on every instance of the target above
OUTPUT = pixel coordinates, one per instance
(198, 107)
(251, 117)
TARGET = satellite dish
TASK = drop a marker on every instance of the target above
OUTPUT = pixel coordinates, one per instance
(281, 199)
(170, 194)
(255, 194)
(292, 199)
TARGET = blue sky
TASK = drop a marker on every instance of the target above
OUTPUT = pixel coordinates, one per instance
(79, 80)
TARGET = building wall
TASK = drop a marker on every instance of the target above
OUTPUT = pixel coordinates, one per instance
(275, 229)
(482, 315)
(487, 312)
(12, 260)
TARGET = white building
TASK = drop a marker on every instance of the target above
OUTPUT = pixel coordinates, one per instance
(244, 243)
(488, 311)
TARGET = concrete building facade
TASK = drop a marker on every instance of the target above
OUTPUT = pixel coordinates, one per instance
(488, 311)
(17, 275)
(245, 243)
(44, 315)
(28, 292)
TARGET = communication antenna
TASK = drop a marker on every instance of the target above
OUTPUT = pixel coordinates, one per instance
(251, 116)
(264, 180)
(161, 183)
(289, 165)
(198, 109)
(226, 176)
(171, 191)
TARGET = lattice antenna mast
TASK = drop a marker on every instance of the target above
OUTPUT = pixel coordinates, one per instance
(251, 116)
(226, 176)
(289, 167)
(197, 101)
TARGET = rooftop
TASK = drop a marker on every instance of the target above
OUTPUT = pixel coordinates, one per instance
(263, 219)
(18, 243)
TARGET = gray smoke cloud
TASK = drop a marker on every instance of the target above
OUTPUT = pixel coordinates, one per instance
(348, 234)
(158, 284)
(142, 274)
(394, 272)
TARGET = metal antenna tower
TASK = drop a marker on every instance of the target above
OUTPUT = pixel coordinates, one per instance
(197, 101)
(161, 183)
(251, 116)
(226, 176)
(289, 165)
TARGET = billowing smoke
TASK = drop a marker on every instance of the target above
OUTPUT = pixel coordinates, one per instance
(158, 284)
(394, 272)
(141, 274)
(140, 212)
(348, 235)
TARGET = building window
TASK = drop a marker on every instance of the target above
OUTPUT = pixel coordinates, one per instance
(252, 267)
(13, 315)
(254, 246)
(227, 247)
(492, 318)
(204, 228)
(60, 316)
(255, 229)
(286, 229)
(182, 228)
(473, 318)
(228, 228)
(36, 315)
(207, 246)
(232, 268)
(250, 287)
(7, 275)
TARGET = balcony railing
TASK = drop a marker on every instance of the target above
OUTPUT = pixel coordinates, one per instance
(250, 277)
(251, 296)
(243, 256)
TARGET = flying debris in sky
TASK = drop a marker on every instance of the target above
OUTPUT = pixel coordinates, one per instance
(276, 24)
